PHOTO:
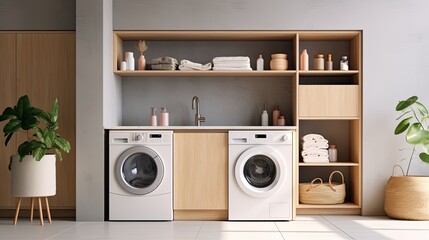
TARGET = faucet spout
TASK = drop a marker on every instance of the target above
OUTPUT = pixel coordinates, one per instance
(196, 106)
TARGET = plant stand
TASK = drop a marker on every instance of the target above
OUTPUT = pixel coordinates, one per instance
(15, 220)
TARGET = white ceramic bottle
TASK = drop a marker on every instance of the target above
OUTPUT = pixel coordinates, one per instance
(260, 64)
(153, 120)
(264, 117)
(130, 61)
(303, 61)
(164, 117)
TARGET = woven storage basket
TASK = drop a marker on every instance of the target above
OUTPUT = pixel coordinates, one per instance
(407, 197)
(323, 193)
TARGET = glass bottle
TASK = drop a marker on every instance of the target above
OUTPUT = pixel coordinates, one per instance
(332, 152)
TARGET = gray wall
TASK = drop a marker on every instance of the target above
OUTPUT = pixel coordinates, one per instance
(37, 15)
(395, 46)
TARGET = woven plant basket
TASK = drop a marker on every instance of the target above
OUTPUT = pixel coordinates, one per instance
(317, 192)
(407, 197)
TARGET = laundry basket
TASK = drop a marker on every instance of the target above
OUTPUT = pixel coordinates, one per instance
(317, 192)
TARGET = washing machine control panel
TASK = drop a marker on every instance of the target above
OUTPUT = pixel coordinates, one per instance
(143, 137)
(262, 137)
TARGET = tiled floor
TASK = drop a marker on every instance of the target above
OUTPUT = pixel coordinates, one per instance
(305, 227)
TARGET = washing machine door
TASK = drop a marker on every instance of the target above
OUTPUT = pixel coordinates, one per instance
(139, 170)
(260, 171)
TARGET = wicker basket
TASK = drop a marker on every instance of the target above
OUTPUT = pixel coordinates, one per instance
(322, 193)
(407, 197)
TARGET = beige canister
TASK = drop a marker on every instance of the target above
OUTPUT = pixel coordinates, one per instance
(279, 61)
(319, 62)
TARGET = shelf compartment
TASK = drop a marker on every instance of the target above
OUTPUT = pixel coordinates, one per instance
(328, 73)
(328, 101)
(178, 73)
(340, 209)
(333, 164)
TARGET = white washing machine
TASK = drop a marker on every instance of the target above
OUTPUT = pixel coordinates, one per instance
(140, 175)
(260, 175)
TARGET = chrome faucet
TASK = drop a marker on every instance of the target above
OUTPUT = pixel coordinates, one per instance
(198, 117)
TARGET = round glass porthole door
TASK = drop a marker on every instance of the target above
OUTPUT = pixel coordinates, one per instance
(139, 170)
(260, 171)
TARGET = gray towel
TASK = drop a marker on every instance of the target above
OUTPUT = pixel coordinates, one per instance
(164, 60)
(163, 66)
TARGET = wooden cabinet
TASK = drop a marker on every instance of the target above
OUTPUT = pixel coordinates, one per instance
(324, 102)
(43, 66)
(200, 176)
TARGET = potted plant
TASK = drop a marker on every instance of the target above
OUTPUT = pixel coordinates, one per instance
(407, 197)
(33, 166)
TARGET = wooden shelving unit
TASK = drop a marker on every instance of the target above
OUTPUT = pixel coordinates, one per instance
(318, 97)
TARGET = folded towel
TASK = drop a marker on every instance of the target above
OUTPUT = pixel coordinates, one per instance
(164, 60)
(232, 58)
(230, 62)
(316, 160)
(312, 137)
(186, 65)
(321, 145)
(233, 65)
(316, 141)
(231, 69)
(312, 154)
(163, 67)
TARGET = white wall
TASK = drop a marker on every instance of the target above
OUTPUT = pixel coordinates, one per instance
(395, 49)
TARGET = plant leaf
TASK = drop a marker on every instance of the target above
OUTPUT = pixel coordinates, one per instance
(58, 152)
(416, 135)
(422, 109)
(8, 113)
(424, 157)
(404, 113)
(38, 153)
(29, 122)
(404, 104)
(54, 111)
(12, 126)
(8, 138)
(403, 125)
(62, 144)
(22, 105)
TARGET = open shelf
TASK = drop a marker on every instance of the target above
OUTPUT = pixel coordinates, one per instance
(328, 73)
(341, 205)
(211, 73)
(347, 208)
(332, 164)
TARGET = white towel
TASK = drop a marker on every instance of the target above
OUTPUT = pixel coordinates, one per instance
(231, 69)
(232, 58)
(316, 160)
(186, 65)
(233, 65)
(315, 153)
(317, 141)
(312, 137)
(321, 145)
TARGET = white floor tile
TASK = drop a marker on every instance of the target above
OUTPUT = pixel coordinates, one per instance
(222, 226)
(240, 235)
(315, 235)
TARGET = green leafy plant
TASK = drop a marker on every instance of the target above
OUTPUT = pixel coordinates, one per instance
(414, 116)
(40, 128)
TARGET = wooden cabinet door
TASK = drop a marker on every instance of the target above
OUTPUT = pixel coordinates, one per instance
(46, 69)
(7, 98)
(200, 175)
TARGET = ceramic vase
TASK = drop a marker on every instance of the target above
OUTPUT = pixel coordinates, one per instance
(141, 64)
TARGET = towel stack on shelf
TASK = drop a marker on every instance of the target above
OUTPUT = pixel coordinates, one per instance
(231, 63)
(186, 65)
(314, 149)
(164, 63)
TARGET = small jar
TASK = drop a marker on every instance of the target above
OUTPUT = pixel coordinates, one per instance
(344, 63)
(164, 117)
(123, 66)
(279, 61)
(332, 152)
(281, 121)
(319, 62)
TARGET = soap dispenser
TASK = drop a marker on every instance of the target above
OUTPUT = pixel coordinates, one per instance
(153, 117)
(264, 117)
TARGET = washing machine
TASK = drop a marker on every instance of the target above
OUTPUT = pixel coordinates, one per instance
(260, 175)
(140, 175)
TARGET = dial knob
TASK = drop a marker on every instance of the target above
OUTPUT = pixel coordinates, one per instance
(285, 138)
(138, 137)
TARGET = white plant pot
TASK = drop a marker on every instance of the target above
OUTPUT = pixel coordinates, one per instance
(31, 178)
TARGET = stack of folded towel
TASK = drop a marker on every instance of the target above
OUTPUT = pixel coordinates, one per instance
(314, 149)
(231, 63)
(186, 65)
(164, 63)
